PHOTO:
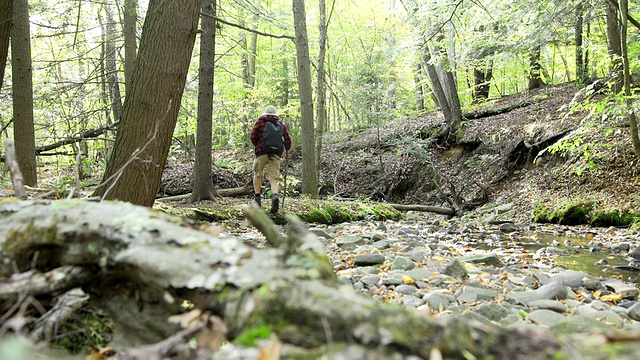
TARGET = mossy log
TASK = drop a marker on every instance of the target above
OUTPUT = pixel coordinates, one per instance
(146, 265)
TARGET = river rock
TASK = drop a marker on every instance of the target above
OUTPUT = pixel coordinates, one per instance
(544, 317)
(402, 263)
(438, 301)
(551, 291)
(571, 278)
(545, 304)
(634, 312)
(493, 312)
(627, 291)
(487, 259)
(456, 269)
(349, 242)
(368, 259)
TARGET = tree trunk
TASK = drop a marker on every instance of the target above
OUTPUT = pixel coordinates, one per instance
(535, 69)
(6, 13)
(321, 98)
(203, 188)
(150, 113)
(614, 46)
(309, 170)
(130, 40)
(147, 263)
(23, 128)
(631, 116)
(581, 71)
(112, 64)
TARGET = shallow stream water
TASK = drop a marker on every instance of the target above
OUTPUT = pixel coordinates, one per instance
(574, 252)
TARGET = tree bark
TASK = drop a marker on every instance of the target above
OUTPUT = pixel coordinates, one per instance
(110, 59)
(535, 69)
(614, 46)
(581, 71)
(6, 13)
(309, 169)
(321, 97)
(203, 188)
(631, 116)
(130, 40)
(22, 73)
(144, 263)
(150, 113)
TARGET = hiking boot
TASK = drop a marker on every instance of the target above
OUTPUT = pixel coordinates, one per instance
(275, 203)
(257, 199)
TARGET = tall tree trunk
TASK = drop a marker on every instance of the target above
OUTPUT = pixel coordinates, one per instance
(112, 65)
(581, 71)
(309, 170)
(253, 53)
(203, 188)
(635, 140)
(23, 130)
(418, 77)
(6, 13)
(535, 69)
(130, 40)
(321, 98)
(150, 113)
(614, 46)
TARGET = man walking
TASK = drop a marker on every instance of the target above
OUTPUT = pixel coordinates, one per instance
(270, 138)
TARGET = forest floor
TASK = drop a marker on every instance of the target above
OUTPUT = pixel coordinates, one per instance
(500, 159)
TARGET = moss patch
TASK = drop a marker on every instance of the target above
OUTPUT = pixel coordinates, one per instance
(582, 213)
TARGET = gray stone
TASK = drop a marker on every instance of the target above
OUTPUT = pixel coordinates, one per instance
(545, 304)
(393, 279)
(349, 242)
(493, 312)
(634, 312)
(509, 228)
(592, 284)
(406, 289)
(368, 259)
(571, 278)
(634, 252)
(487, 259)
(418, 255)
(419, 273)
(437, 301)
(626, 290)
(471, 294)
(551, 291)
(622, 247)
(370, 280)
(501, 209)
(579, 324)
(321, 233)
(402, 263)
(381, 244)
(412, 301)
(456, 269)
(544, 317)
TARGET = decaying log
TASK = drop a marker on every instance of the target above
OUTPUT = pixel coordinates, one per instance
(245, 190)
(425, 208)
(145, 263)
(14, 168)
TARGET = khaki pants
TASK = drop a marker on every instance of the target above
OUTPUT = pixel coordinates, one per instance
(273, 172)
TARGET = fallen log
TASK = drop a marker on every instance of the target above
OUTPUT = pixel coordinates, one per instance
(245, 190)
(424, 208)
(145, 264)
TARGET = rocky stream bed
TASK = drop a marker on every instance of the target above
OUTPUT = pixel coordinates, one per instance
(574, 281)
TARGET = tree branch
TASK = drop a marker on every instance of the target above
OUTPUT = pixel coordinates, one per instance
(247, 29)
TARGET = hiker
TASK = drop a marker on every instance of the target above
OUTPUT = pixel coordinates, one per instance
(270, 138)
